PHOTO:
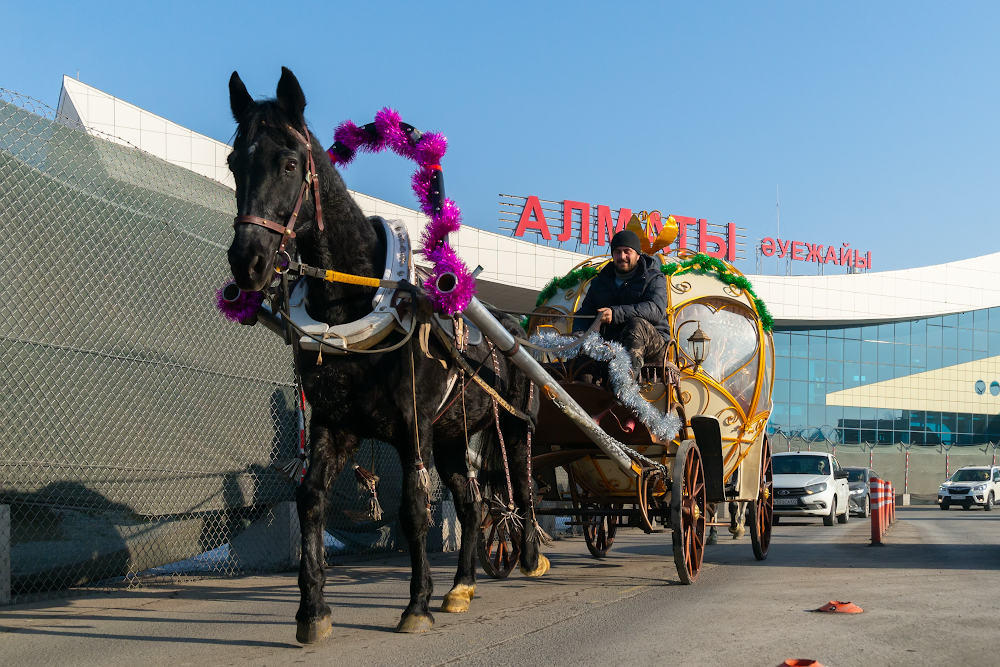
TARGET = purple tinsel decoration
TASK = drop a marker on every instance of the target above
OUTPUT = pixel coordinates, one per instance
(427, 153)
(243, 309)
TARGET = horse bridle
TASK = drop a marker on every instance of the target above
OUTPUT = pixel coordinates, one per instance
(311, 179)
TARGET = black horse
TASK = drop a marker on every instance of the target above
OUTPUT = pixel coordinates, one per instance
(365, 396)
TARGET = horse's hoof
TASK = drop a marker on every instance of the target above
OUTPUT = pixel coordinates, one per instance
(739, 533)
(713, 537)
(543, 567)
(458, 599)
(315, 632)
(415, 624)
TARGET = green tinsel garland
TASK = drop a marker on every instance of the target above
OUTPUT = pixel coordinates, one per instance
(571, 279)
(700, 262)
(705, 263)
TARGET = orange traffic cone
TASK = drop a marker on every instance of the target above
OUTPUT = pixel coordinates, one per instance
(841, 607)
(800, 662)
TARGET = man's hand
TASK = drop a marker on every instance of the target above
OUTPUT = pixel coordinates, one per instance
(604, 315)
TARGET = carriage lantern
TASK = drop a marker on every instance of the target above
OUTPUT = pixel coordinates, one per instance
(700, 342)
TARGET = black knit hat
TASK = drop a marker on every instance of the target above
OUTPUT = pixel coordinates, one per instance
(626, 239)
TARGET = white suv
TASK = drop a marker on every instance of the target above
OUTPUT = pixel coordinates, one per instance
(971, 485)
(810, 484)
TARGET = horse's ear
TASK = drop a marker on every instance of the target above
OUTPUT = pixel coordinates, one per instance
(290, 96)
(239, 99)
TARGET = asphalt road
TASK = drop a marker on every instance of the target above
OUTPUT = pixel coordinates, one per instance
(930, 598)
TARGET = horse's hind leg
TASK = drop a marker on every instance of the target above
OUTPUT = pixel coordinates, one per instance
(325, 463)
(737, 520)
(713, 533)
(452, 467)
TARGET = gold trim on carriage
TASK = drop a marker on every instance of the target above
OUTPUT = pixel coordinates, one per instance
(716, 376)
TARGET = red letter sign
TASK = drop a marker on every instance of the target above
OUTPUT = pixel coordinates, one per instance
(568, 208)
(525, 222)
(704, 238)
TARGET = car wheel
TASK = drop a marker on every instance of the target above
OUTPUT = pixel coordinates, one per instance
(989, 502)
(945, 505)
(845, 517)
(866, 509)
(775, 519)
(828, 519)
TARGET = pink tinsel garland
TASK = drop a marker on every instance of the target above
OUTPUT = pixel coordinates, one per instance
(427, 152)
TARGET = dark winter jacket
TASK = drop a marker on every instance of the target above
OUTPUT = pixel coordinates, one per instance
(644, 295)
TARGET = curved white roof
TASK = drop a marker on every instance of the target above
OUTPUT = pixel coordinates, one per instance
(515, 270)
(942, 289)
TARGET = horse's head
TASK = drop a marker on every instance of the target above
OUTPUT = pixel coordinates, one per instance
(270, 163)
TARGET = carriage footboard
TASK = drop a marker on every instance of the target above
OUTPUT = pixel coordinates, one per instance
(708, 434)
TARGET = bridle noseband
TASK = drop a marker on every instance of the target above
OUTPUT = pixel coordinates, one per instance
(311, 178)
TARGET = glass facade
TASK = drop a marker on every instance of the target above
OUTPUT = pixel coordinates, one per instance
(813, 362)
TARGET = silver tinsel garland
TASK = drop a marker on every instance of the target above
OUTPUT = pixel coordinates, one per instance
(663, 425)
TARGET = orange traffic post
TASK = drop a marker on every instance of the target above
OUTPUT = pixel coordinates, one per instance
(875, 491)
(800, 662)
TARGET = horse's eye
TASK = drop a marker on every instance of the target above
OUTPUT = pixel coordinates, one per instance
(291, 165)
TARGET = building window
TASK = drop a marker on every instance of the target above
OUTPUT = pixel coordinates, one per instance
(995, 388)
(980, 387)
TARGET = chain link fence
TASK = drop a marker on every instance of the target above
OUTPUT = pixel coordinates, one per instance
(140, 429)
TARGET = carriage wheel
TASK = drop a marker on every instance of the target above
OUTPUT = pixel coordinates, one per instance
(600, 534)
(762, 509)
(499, 546)
(688, 509)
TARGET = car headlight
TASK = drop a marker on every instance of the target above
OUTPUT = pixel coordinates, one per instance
(857, 492)
(816, 488)
(943, 489)
(981, 487)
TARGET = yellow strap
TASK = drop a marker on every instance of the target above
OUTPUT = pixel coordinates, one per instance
(351, 279)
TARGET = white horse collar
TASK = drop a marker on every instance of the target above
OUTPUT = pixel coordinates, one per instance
(387, 311)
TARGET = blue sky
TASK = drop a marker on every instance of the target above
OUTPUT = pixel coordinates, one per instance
(879, 121)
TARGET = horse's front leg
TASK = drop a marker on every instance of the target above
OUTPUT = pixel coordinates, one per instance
(452, 467)
(414, 521)
(533, 563)
(326, 460)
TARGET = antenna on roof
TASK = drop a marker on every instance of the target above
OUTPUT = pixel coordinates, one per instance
(77, 75)
(777, 204)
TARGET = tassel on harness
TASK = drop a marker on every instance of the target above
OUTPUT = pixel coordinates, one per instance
(368, 483)
(423, 477)
(294, 469)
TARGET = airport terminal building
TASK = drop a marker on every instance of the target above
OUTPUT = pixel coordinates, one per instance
(907, 357)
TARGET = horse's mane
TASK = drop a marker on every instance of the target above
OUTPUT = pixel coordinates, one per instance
(266, 113)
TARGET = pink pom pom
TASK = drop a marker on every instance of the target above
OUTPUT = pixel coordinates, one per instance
(446, 261)
(242, 309)
(421, 182)
(351, 136)
(430, 149)
(387, 122)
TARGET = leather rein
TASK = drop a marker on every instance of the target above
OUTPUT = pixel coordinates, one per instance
(311, 179)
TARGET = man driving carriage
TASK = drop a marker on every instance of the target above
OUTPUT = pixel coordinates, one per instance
(629, 296)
